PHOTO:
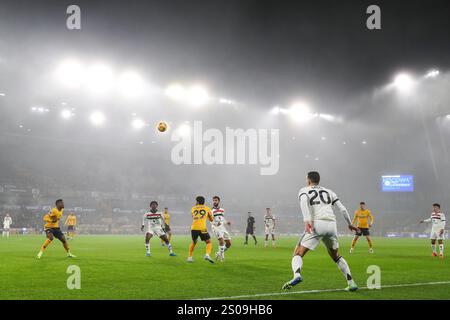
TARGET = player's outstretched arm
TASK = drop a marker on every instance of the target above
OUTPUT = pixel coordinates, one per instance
(338, 204)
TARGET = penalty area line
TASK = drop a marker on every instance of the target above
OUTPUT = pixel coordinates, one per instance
(324, 290)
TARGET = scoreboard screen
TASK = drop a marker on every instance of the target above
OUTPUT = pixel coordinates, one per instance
(398, 183)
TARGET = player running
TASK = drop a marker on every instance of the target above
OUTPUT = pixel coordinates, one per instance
(200, 213)
(71, 222)
(250, 228)
(437, 220)
(269, 227)
(364, 219)
(219, 229)
(155, 225)
(52, 229)
(7, 222)
(316, 204)
(168, 231)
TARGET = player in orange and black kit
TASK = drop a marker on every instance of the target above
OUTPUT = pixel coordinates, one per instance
(52, 229)
(200, 213)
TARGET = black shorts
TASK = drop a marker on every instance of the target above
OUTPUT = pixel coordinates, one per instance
(249, 231)
(204, 235)
(166, 228)
(363, 232)
(70, 228)
(56, 232)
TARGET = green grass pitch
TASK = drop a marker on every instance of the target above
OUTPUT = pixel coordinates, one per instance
(115, 267)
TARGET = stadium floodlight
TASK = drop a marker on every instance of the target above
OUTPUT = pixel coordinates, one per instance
(70, 73)
(448, 116)
(364, 142)
(2, 94)
(184, 130)
(300, 112)
(97, 118)
(176, 92)
(99, 78)
(275, 110)
(403, 82)
(137, 124)
(197, 95)
(432, 73)
(131, 84)
(66, 114)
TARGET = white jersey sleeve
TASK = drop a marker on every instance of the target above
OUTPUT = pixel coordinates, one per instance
(304, 205)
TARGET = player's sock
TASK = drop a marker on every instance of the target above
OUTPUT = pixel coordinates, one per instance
(147, 247)
(7, 234)
(297, 263)
(273, 243)
(266, 243)
(169, 247)
(222, 250)
(370, 243)
(66, 247)
(345, 269)
(191, 249)
(433, 247)
(45, 245)
(353, 243)
(441, 249)
(254, 238)
(246, 238)
(208, 249)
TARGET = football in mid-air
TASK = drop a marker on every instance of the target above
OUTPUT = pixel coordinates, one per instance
(162, 126)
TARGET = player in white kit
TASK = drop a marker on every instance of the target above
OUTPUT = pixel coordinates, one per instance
(155, 226)
(437, 220)
(219, 228)
(269, 227)
(316, 204)
(7, 222)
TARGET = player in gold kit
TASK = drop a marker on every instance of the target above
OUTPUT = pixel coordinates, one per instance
(200, 213)
(364, 220)
(71, 222)
(52, 229)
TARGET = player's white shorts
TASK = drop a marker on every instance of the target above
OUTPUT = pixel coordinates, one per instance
(269, 230)
(156, 230)
(6, 228)
(435, 234)
(221, 232)
(323, 230)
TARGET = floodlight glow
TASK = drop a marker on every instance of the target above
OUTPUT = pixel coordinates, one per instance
(137, 124)
(403, 82)
(2, 94)
(175, 92)
(197, 96)
(131, 84)
(226, 101)
(100, 78)
(327, 117)
(448, 116)
(299, 112)
(97, 118)
(71, 73)
(432, 74)
(66, 114)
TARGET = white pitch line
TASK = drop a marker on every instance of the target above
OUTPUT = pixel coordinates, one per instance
(324, 290)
